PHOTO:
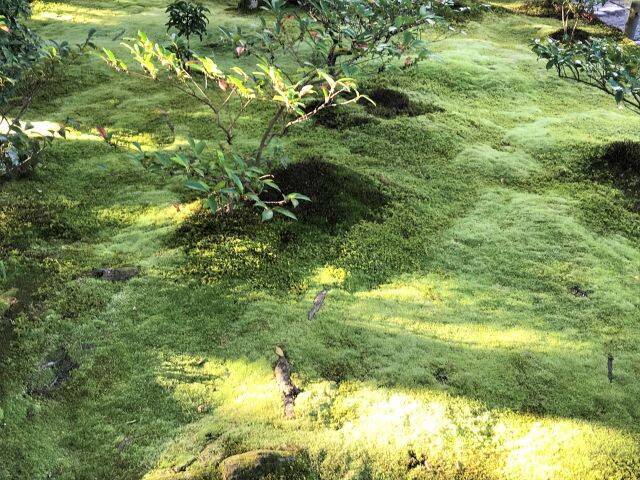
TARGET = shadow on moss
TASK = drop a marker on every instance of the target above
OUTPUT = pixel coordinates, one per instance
(619, 164)
(238, 245)
(390, 103)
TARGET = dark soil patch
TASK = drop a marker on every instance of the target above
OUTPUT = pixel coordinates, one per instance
(390, 103)
(578, 291)
(578, 36)
(619, 163)
(441, 375)
(115, 274)
(416, 461)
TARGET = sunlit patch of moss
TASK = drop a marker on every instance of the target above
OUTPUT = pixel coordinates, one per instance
(330, 276)
(404, 432)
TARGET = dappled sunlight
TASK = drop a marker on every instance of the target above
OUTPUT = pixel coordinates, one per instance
(429, 290)
(445, 432)
(329, 276)
(440, 308)
(152, 216)
(81, 15)
(38, 127)
(447, 303)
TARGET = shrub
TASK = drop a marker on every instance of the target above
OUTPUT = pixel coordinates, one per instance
(570, 12)
(187, 19)
(26, 64)
(344, 35)
(328, 42)
(601, 63)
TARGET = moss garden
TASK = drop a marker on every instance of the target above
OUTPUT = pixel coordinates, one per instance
(458, 296)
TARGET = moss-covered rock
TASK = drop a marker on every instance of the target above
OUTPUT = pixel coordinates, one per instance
(258, 464)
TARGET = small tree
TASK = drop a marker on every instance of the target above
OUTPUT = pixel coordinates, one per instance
(343, 35)
(328, 42)
(27, 62)
(574, 11)
(187, 19)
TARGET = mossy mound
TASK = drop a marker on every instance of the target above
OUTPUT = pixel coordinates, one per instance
(390, 103)
(540, 8)
(338, 195)
(237, 245)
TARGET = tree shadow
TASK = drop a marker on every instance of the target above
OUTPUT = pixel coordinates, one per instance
(236, 246)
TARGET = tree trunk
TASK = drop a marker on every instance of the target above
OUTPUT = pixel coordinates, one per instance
(248, 5)
(634, 19)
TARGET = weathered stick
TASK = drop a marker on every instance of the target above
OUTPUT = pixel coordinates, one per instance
(283, 378)
(317, 304)
(610, 368)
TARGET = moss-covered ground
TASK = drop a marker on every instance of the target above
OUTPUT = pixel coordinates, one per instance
(479, 275)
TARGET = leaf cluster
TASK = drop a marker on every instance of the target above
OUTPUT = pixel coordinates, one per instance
(599, 62)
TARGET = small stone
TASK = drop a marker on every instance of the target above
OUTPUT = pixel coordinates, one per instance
(182, 466)
(256, 465)
(579, 292)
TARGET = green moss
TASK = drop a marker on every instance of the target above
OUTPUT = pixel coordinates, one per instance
(450, 344)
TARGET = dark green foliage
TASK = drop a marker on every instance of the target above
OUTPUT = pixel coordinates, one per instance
(601, 63)
(27, 63)
(187, 18)
(19, 46)
(344, 34)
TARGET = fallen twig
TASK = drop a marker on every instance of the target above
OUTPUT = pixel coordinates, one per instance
(283, 378)
(317, 304)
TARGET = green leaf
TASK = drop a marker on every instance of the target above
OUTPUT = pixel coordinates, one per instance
(267, 214)
(212, 204)
(196, 185)
(299, 196)
(285, 212)
(271, 184)
(237, 181)
(180, 160)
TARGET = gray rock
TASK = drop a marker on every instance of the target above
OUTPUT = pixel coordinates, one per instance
(257, 464)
